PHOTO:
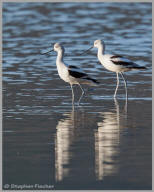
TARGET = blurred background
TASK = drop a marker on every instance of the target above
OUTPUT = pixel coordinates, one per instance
(103, 144)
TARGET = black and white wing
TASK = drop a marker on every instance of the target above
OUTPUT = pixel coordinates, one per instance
(119, 60)
(78, 73)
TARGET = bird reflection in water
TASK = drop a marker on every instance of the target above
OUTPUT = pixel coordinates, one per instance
(74, 141)
(81, 153)
(107, 140)
(63, 140)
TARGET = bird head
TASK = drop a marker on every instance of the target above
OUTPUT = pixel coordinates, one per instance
(98, 43)
(57, 47)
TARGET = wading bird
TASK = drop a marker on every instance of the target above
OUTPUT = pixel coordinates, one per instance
(70, 73)
(114, 63)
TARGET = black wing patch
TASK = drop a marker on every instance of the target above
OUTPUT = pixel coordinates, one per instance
(76, 74)
(122, 63)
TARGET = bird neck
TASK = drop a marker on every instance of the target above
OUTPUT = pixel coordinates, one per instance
(100, 52)
(59, 62)
(60, 56)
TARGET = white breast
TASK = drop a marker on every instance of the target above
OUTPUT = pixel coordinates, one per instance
(63, 72)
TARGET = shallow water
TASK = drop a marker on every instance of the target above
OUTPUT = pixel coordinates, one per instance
(103, 144)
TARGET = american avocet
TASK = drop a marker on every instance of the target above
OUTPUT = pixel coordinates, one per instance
(71, 74)
(114, 63)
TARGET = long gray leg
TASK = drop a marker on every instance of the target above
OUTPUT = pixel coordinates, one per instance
(116, 86)
(81, 94)
(72, 94)
(125, 82)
